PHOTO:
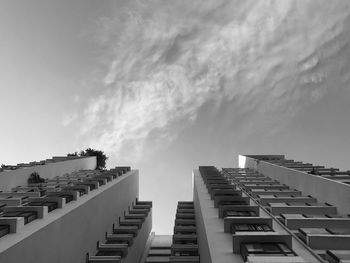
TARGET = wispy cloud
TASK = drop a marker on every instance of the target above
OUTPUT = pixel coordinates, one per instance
(167, 59)
(68, 119)
(76, 98)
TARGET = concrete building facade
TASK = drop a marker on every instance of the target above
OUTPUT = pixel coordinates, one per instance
(268, 210)
(271, 209)
(76, 214)
(318, 213)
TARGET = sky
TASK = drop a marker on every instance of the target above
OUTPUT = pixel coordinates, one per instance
(166, 86)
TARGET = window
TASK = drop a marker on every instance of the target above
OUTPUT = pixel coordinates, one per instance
(184, 232)
(68, 197)
(227, 194)
(109, 253)
(186, 253)
(250, 227)
(265, 249)
(4, 230)
(186, 242)
(28, 216)
(50, 205)
(240, 213)
(232, 203)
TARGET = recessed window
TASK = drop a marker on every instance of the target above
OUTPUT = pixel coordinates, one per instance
(240, 213)
(28, 216)
(232, 203)
(186, 253)
(4, 230)
(185, 242)
(250, 227)
(50, 205)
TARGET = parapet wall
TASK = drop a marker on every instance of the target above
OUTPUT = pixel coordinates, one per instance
(19, 177)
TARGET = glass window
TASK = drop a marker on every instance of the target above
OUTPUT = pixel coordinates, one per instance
(254, 248)
(250, 227)
(271, 248)
(232, 203)
(240, 213)
(4, 229)
(186, 253)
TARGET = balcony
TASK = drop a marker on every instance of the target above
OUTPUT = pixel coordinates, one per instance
(296, 221)
(225, 192)
(185, 222)
(184, 239)
(185, 230)
(241, 238)
(103, 259)
(238, 211)
(278, 192)
(325, 238)
(265, 199)
(269, 252)
(300, 208)
(133, 230)
(185, 216)
(266, 186)
(229, 222)
(338, 256)
(230, 200)
(107, 249)
(119, 239)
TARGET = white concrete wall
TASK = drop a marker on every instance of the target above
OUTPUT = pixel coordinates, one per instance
(19, 177)
(325, 190)
(139, 246)
(214, 244)
(66, 235)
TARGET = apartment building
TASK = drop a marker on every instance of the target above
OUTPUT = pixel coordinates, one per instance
(269, 209)
(182, 246)
(272, 209)
(75, 214)
(317, 208)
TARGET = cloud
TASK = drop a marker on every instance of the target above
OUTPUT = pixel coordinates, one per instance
(76, 98)
(68, 119)
(168, 59)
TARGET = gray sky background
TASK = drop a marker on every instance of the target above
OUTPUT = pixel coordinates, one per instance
(166, 86)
